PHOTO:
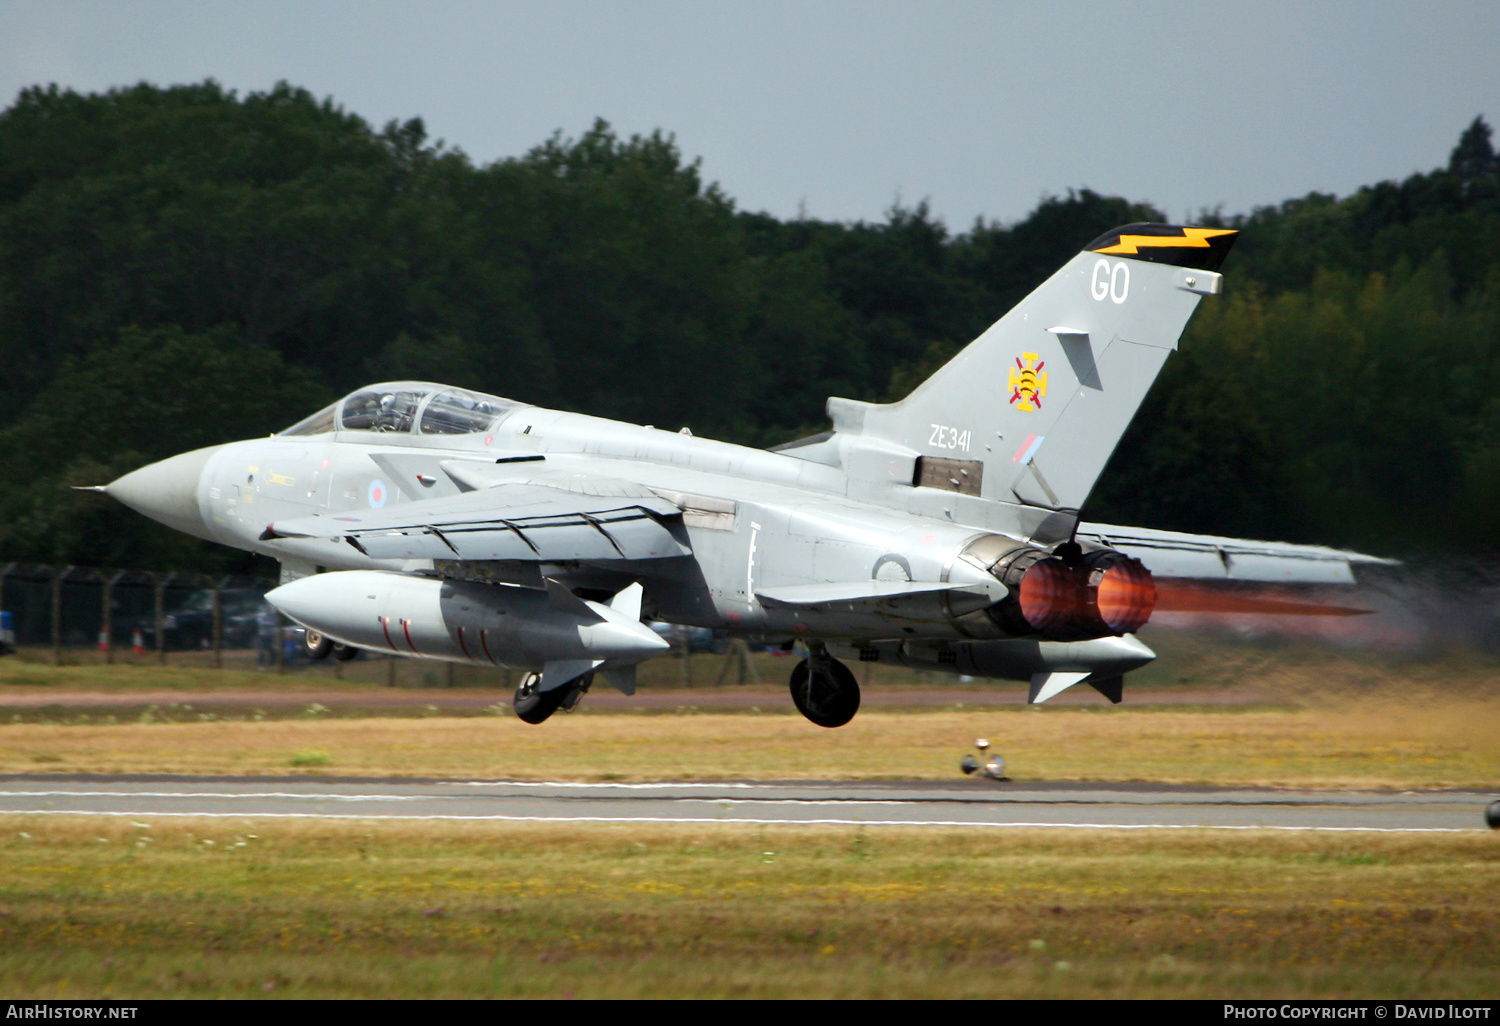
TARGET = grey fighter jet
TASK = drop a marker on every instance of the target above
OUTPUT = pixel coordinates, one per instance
(941, 531)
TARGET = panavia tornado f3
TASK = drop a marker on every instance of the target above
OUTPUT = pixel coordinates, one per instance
(941, 531)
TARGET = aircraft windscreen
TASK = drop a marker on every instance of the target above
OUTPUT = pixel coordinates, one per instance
(320, 423)
(381, 410)
(456, 412)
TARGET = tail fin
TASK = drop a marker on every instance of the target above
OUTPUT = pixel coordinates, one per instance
(1032, 409)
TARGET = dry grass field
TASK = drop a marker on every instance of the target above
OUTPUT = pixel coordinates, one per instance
(229, 908)
(1325, 717)
(172, 907)
(1374, 742)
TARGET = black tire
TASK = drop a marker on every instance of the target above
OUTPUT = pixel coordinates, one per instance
(344, 653)
(315, 645)
(829, 698)
(532, 705)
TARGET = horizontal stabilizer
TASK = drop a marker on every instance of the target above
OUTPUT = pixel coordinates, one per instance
(869, 594)
(1212, 558)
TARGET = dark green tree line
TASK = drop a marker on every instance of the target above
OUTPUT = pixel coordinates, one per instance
(166, 252)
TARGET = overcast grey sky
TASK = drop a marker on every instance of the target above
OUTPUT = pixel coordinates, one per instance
(839, 107)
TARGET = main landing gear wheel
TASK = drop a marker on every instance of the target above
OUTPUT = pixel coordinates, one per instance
(532, 705)
(344, 653)
(825, 691)
(316, 646)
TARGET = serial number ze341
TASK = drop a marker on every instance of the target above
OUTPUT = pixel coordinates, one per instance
(944, 437)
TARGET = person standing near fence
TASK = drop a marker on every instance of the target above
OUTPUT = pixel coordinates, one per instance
(268, 631)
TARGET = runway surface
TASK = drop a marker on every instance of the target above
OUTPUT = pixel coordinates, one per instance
(963, 802)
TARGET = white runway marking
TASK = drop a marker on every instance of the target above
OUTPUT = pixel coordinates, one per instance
(299, 795)
(873, 803)
(756, 822)
(653, 786)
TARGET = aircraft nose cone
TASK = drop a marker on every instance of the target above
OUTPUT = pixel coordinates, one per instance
(167, 491)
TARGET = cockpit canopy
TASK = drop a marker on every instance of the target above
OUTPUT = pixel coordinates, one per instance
(408, 407)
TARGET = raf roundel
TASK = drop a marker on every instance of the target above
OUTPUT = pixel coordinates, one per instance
(377, 494)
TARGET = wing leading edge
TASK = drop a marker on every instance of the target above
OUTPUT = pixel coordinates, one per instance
(526, 522)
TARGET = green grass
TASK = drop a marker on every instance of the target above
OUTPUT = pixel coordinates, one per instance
(254, 908)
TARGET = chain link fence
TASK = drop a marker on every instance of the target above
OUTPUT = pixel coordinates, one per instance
(69, 609)
(75, 615)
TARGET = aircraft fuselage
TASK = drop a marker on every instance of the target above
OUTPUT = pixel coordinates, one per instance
(740, 504)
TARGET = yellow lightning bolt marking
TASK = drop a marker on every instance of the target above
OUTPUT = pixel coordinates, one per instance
(1191, 238)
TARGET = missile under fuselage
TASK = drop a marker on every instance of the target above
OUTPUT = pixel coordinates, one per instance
(465, 622)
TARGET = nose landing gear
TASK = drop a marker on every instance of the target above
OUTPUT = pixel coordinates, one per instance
(320, 646)
(824, 689)
(316, 645)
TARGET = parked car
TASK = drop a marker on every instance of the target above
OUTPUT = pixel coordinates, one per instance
(699, 639)
(191, 624)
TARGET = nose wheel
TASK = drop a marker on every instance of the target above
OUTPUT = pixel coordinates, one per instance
(316, 645)
(824, 690)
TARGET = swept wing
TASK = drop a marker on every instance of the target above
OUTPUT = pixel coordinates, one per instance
(523, 521)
